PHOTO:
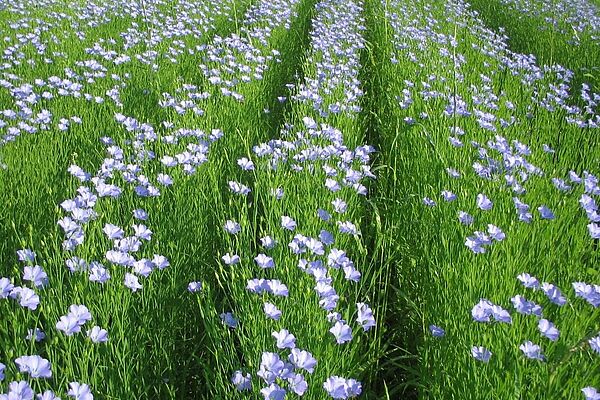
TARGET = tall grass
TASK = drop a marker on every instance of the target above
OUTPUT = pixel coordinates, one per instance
(449, 56)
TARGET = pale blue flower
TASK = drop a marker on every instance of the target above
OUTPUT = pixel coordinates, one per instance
(113, 231)
(80, 391)
(229, 320)
(26, 255)
(268, 242)
(465, 218)
(590, 393)
(554, 294)
(341, 388)
(35, 334)
(264, 261)
(241, 381)
(532, 351)
(68, 324)
(35, 366)
(132, 282)
(297, 384)
(595, 344)
(36, 275)
(302, 359)
(232, 227)
(483, 202)
(481, 353)
(529, 281)
(272, 311)
(273, 392)
(341, 332)
(194, 287)
(98, 335)
(271, 367)
(285, 340)
(6, 287)
(548, 329)
(288, 223)
(436, 331)
(545, 212)
(365, 316)
(47, 395)
(245, 164)
(19, 391)
(523, 306)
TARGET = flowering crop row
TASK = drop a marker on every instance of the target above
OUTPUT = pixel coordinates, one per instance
(484, 146)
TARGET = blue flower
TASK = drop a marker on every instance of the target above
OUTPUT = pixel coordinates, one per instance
(6, 287)
(68, 324)
(47, 395)
(80, 391)
(339, 206)
(271, 367)
(268, 242)
(229, 320)
(326, 237)
(483, 202)
(242, 382)
(98, 335)
(589, 293)
(36, 275)
(481, 353)
(232, 227)
(365, 316)
(26, 255)
(297, 384)
(482, 311)
(548, 329)
(27, 297)
(341, 388)
(272, 311)
(288, 223)
(285, 340)
(448, 195)
(436, 331)
(140, 214)
(273, 392)
(245, 164)
(264, 261)
(35, 366)
(529, 281)
(341, 332)
(553, 294)
(594, 230)
(142, 232)
(428, 202)
(35, 334)
(532, 351)
(523, 306)
(194, 287)
(545, 212)
(496, 233)
(239, 188)
(302, 359)
(595, 344)
(465, 218)
(19, 391)
(590, 393)
(324, 215)
(132, 282)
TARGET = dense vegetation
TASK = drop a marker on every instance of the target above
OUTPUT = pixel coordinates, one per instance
(312, 198)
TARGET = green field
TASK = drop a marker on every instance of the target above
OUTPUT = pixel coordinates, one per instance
(275, 199)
